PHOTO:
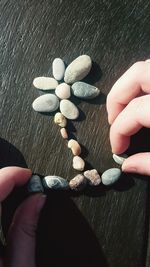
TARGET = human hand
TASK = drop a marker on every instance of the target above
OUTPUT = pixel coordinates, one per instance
(20, 249)
(128, 107)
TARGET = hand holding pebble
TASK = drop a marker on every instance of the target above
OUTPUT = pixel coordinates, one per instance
(128, 107)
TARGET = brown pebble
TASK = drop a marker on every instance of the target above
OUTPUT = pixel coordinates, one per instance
(78, 163)
(78, 182)
(64, 133)
(75, 147)
(93, 177)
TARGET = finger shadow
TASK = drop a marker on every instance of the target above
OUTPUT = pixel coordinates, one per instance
(64, 237)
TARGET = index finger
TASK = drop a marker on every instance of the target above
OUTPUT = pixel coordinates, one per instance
(11, 177)
(134, 82)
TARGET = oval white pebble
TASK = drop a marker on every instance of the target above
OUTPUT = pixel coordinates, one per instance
(45, 83)
(63, 91)
(78, 163)
(78, 69)
(85, 90)
(58, 68)
(110, 176)
(46, 103)
(68, 109)
(64, 133)
(120, 158)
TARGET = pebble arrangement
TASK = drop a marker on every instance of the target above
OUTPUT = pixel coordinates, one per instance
(50, 102)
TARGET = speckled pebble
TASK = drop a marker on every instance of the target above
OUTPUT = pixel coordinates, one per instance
(68, 109)
(55, 182)
(110, 176)
(78, 163)
(60, 119)
(58, 67)
(120, 158)
(63, 91)
(45, 83)
(84, 90)
(46, 103)
(35, 184)
(93, 177)
(64, 133)
(75, 147)
(78, 69)
(78, 182)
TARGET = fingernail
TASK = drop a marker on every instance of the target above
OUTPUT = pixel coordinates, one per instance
(40, 202)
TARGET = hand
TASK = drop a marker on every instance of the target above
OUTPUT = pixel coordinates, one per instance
(20, 249)
(128, 107)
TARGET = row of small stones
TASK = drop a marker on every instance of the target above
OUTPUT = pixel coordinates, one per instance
(76, 71)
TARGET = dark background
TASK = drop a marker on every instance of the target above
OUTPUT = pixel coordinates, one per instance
(102, 227)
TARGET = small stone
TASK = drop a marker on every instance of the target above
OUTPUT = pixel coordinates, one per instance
(63, 91)
(60, 119)
(55, 182)
(120, 158)
(84, 90)
(64, 133)
(78, 182)
(46, 103)
(58, 68)
(35, 185)
(110, 176)
(78, 163)
(93, 177)
(45, 83)
(75, 147)
(68, 109)
(78, 69)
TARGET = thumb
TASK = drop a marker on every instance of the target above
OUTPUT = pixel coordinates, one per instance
(21, 236)
(137, 163)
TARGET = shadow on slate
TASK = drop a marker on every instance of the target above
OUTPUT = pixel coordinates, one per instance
(64, 236)
(95, 74)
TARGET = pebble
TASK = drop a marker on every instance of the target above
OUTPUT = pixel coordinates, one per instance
(55, 182)
(63, 91)
(60, 119)
(35, 184)
(110, 176)
(93, 177)
(68, 109)
(58, 68)
(78, 182)
(78, 163)
(46, 103)
(75, 147)
(64, 133)
(45, 83)
(120, 158)
(84, 90)
(78, 69)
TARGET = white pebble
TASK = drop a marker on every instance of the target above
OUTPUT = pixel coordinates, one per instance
(75, 147)
(60, 119)
(58, 68)
(78, 69)
(120, 158)
(46, 103)
(68, 109)
(63, 91)
(78, 163)
(64, 133)
(45, 83)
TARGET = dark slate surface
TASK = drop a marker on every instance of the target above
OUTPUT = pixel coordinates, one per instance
(101, 227)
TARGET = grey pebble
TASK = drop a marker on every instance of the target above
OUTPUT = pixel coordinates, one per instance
(120, 158)
(46, 103)
(58, 67)
(78, 182)
(110, 176)
(35, 185)
(84, 90)
(55, 182)
(78, 69)
(68, 109)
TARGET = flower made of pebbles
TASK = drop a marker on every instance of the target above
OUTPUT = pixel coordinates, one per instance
(77, 70)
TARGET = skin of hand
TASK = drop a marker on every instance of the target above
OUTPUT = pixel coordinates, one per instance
(128, 107)
(20, 249)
